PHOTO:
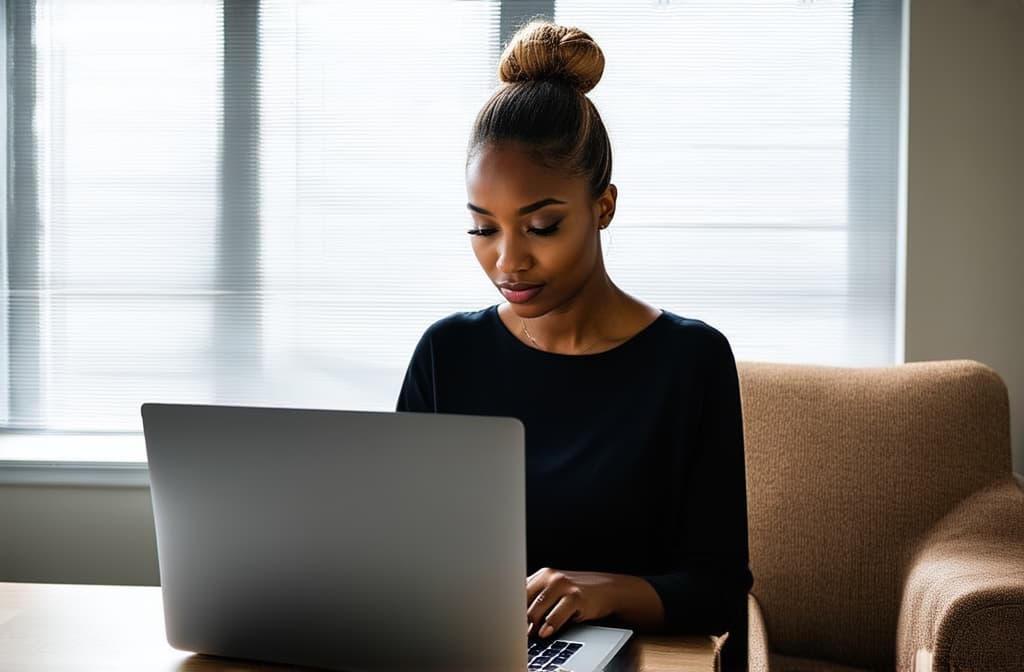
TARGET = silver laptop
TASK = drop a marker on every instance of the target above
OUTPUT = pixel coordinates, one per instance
(351, 540)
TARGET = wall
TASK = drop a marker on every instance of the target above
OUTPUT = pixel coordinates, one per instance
(965, 189)
(77, 534)
(964, 287)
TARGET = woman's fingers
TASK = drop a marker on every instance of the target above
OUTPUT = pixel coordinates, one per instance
(543, 593)
(534, 585)
(540, 605)
(539, 581)
(565, 609)
(553, 597)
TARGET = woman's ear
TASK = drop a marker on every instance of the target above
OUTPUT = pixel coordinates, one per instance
(605, 206)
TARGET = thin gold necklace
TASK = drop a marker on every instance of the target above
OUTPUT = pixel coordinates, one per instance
(538, 346)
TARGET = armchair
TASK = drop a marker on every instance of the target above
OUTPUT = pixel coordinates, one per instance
(886, 526)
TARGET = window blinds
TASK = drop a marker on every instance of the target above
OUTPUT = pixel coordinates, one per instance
(241, 202)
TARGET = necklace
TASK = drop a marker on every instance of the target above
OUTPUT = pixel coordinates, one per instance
(537, 345)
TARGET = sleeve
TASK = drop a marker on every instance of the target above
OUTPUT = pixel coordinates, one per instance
(418, 388)
(706, 592)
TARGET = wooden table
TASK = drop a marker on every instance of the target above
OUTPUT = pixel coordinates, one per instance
(70, 628)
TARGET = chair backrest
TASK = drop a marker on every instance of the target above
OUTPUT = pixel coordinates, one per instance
(846, 471)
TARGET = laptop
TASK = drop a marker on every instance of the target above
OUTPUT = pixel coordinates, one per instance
(351, 540)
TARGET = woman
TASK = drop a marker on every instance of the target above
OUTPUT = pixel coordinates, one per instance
(636, 501)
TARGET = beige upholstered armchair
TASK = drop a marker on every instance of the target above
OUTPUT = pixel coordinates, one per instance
(886, 526)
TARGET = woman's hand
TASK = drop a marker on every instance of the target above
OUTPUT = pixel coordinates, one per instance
(555, 598)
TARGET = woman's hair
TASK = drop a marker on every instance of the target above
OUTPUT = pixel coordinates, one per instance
(542, 105)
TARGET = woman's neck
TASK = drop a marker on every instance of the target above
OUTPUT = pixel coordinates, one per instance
(590, 322)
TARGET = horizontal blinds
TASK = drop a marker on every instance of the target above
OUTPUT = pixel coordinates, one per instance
(119, 188)
(736, 148)
(363, 189)
(232, 202)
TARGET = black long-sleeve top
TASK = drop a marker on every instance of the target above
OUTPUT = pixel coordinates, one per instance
(634, 456)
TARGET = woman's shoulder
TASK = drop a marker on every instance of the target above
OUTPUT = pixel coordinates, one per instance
(693, 342)
(692, 331)
(462, 324)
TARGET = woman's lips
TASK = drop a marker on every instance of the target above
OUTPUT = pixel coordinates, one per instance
(520, 294)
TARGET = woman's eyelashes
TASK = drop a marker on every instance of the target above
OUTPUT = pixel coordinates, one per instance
(536, 230)
(546, 230)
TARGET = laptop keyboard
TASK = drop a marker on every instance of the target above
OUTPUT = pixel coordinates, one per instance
(551, 656)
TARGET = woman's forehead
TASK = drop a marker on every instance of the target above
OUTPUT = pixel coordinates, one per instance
(507, 173)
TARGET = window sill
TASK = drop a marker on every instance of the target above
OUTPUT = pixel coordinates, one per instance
(97, 460)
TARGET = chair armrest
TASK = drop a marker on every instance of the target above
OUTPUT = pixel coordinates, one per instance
(757, 637)
(963, 597)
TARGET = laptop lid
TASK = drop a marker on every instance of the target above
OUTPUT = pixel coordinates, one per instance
(352, 540)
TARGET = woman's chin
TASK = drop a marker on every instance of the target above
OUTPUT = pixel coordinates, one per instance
(527, 310)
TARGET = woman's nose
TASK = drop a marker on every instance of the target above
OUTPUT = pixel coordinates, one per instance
(513, 254)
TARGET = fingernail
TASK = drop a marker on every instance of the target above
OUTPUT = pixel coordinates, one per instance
(546, 630)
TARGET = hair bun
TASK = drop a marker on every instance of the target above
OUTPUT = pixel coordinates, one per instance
(542, 50)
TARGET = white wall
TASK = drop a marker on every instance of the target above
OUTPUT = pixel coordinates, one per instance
(964, 288)
(965, 190)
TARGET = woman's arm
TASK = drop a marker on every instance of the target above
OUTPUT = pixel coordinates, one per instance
(418, 387)
(706, 590)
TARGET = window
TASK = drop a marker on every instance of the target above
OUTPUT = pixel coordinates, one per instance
(756, 192)
(242, 202)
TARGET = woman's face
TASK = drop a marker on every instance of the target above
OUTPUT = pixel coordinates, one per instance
(535, 231)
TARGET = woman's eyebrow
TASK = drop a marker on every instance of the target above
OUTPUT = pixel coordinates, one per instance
(525, 210)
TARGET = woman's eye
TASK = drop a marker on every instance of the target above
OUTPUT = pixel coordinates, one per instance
(480, 232)
(546, 230)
